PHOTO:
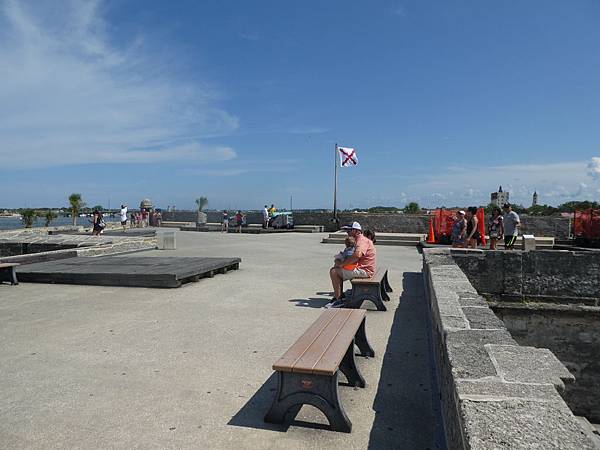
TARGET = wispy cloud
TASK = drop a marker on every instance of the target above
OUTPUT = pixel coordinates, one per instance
(68, 96)
(244, 167)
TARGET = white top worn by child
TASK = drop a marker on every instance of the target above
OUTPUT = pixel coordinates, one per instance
(350, 243)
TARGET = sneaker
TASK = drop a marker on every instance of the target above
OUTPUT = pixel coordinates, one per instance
(339, 303)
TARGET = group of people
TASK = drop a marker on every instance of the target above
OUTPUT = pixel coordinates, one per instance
(357, 260)
(137, 219)
(238, 220)
(268, 215)
(465, 230)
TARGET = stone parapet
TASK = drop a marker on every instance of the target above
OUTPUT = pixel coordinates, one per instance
(495, 393)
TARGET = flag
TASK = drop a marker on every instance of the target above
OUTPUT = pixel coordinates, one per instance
(348, 156)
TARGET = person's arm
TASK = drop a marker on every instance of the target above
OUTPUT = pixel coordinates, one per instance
(501, 235)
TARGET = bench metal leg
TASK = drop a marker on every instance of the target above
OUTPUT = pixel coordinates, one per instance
(349, 368)
(384, 294)
(362, 343)
(13, 276)
(320, 391)
(372, 292)
(386, 283)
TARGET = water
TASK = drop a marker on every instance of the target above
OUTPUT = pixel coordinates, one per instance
(13, 223)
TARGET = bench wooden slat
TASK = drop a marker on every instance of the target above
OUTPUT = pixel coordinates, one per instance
(3, 265)
(375, 279)
(287, 361)
(330, 360)
(313, 354)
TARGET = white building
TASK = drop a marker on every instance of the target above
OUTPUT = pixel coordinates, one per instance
(499, 198)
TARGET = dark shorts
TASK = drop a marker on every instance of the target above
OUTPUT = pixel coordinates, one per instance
(123, 222)
(509, 241)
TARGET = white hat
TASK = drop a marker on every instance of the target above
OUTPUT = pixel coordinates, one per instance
(461, 212)
(354, 226)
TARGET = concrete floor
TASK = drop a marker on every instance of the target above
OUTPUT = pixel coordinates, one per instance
(131, 368)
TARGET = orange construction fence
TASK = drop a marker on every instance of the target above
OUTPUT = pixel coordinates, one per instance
(441, 222)
(586, 224)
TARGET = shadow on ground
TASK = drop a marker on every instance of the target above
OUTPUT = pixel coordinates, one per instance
(406, 405)
(252, 413)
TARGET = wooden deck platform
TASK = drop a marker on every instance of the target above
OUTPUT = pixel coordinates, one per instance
(155, 272)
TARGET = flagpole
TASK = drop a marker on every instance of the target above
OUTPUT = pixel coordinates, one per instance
(335, 185)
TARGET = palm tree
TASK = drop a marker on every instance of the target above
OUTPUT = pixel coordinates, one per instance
(49, 216)
(201, 202)
(76, 204)
(28, 217)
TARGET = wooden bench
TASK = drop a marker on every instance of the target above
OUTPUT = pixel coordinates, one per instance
(374, 289)
(9, 267)
(308, 371)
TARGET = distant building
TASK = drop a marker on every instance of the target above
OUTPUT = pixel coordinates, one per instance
(499, 198)
(535, 199)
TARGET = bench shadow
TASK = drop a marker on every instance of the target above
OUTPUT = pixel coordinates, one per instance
(310, 302)
(407, 411)
(253, 412)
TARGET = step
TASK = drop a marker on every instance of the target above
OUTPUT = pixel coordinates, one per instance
(397, 242)
(384, 237)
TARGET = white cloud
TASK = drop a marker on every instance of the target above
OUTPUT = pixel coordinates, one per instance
(594, 168)
(68, 96)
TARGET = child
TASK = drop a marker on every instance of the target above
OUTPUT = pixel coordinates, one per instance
(350, 243)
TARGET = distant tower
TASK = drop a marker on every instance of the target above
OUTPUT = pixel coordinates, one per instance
(499, 198)
(535, 199)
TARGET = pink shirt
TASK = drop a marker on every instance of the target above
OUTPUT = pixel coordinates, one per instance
(367, 260)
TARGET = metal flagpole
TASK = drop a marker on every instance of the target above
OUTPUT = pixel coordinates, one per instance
(335, 165)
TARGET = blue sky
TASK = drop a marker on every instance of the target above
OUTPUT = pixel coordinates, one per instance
(242, 101)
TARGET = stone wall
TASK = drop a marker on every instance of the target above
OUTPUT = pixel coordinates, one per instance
(495, 393)
(555, 274)
(572, 333)
(557, 227)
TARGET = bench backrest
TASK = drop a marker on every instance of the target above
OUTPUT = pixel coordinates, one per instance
(4, 265)
(321, 348)
(375, 279)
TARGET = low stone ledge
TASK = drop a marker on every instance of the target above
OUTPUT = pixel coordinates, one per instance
(495, 393)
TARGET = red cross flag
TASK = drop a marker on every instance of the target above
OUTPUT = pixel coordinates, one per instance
(348, 156)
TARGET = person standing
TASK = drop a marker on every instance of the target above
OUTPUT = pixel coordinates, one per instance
(512, 224)
(265, 215)
(459, 229)
(225, 222)
(123, 214)
(473, 235)
(97, 222)
(495, 227)
(272, 211)
(239, 220)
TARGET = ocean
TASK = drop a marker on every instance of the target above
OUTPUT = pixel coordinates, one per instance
(13, 223)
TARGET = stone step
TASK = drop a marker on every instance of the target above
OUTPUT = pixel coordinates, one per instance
(397, 242)
(412, 237)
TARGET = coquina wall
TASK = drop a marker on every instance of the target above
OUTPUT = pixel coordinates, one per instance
(495, 393)
(557, 227)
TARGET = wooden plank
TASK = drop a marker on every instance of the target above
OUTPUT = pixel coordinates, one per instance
(295, 352)
(307, 362)
(3, 265)
(375, 279)
(331, 358)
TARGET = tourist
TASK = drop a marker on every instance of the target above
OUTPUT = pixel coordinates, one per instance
(364, 256)
(473, 236)
(459, 230)
(495, 227)
(511, 226)
(97, 223)
(225, 222)
(144, 218)
(132, 220)
(158, 218)
(370, 234)
(272, 211)
(138, 219)
(123, 214)
(265, 217)
(239, 220)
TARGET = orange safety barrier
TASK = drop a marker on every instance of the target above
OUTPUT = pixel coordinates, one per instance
(586, 224)
(481, 225)
(431, 236)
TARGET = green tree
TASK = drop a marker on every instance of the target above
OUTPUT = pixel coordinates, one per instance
(412, 208)
(578, 205)
(49, 216)
(76, 203)
(28, 217)
(97, 207)
(201, 202)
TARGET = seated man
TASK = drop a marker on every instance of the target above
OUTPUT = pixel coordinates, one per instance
(364, 257)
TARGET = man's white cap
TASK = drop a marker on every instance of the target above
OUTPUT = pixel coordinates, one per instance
(354, 226)
(461, 212)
